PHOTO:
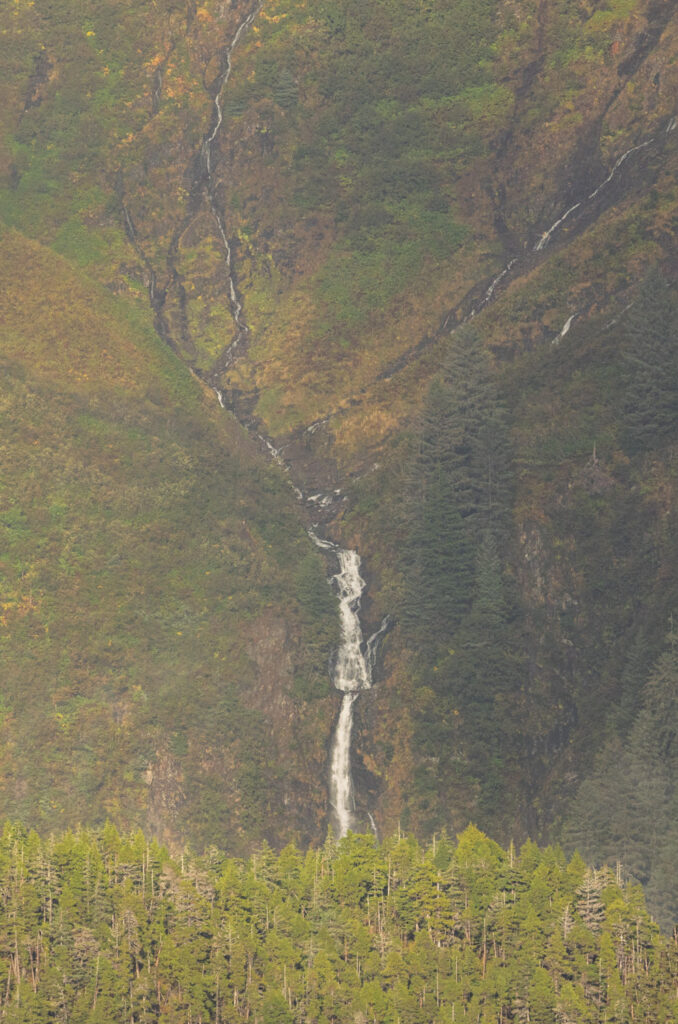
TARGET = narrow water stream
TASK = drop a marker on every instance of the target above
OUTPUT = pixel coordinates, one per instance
(206, 152)
(355, 658)
(352, 673)
(547, 235)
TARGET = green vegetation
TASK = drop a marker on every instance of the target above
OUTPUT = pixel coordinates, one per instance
(149, 581)
(459, 490)
(651, 377)
(456, 608)
(513, 491)
(393, 103)
(100, 927)
(629, 804)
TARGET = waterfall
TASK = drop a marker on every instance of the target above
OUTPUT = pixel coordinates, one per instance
(546, 237)
(241, 328)
(451, 322)
(341, 781)
(565, 329)
(355, 658)
(490, 291)
(352, 674)
(617, 165)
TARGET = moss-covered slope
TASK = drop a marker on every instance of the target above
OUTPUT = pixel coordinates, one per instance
(157, 637)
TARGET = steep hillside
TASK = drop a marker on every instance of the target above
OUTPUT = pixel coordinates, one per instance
(163, 645)
(410, 243)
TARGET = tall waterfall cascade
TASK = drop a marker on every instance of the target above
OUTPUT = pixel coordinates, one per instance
(355, 657)
(352, 674)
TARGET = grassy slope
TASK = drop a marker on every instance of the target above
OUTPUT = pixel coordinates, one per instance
(145, 550)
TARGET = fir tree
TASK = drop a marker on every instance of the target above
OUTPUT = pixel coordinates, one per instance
(458, 488)
(627, 809)
(651, 365)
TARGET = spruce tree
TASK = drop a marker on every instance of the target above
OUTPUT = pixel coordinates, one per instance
(438, 553)
(459, 486)
(627, 809)
(650, 349)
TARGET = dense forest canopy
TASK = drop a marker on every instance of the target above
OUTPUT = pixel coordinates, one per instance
(99, 927)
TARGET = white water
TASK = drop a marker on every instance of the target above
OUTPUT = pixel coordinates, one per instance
(565, 329)
(242, 330)
(277, 457)
(617, 318)
(355, 659)
(544, 240)
(620, 161)
(500, 277)
(223, 81)
(323, 501)
(352, 674)
(341, 782)
(316, 426)
(546, 237)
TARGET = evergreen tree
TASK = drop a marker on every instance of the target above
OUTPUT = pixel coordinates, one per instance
(459, 486)
(633, 676)
(455, 606)
(491, 937)
(626, 811)
(650, 350)
(438, 552)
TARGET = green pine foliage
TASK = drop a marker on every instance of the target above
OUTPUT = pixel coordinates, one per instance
(628, 807)
(459, 487)
(651, 371)
(456, 603)
(99, 927)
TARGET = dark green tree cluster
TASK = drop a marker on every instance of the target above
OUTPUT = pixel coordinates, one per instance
(456, 603)
(96, 928)
(459, 489)
(628, 808)
(651, 365)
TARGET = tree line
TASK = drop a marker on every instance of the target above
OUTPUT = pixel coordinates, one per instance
(457, 608)
(99, 927)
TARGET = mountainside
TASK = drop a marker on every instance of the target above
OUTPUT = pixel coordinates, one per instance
(152, 672)
(427, 251)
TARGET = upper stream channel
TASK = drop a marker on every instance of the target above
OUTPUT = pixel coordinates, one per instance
(355, 658)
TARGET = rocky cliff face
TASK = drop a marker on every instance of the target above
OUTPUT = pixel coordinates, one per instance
(310, 215)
